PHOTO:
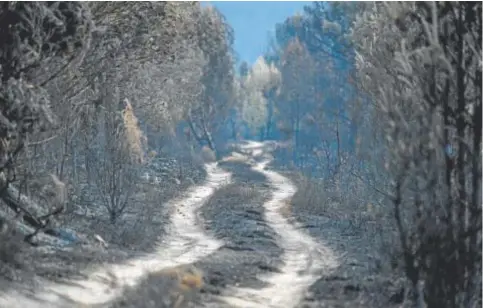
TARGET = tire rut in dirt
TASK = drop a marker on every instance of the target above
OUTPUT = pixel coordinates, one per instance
(172, 279)
(355, 282)
(235, 215)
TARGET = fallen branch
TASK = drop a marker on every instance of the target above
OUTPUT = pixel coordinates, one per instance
(372, 186)
(33, 215)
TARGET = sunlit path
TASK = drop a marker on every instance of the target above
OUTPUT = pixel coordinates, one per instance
(304, 259)
(185, 243)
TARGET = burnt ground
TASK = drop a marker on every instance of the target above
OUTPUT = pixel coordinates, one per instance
(361, 280)
(234, 214)
(25, 266)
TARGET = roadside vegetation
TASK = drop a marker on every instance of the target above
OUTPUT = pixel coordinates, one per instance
(110, 109)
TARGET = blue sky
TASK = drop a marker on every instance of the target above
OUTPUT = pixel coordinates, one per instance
(253, 20)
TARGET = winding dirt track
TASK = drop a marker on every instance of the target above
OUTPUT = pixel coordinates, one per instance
(185, 243)
(304, 259)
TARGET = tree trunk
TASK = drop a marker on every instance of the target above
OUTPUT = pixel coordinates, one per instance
(112, 217)
(269, 124)
(198, 138)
